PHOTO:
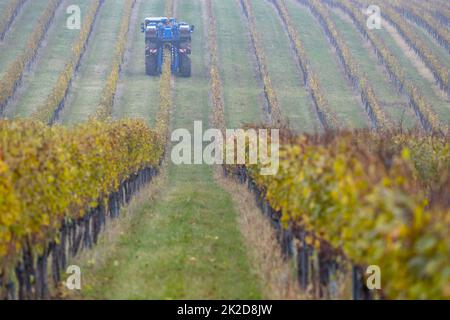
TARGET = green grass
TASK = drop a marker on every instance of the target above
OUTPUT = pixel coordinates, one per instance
(16, 39)
(3, 5)
(140, 93)
(393, 103)
(185, 244)
(286, 77)
(241, 89)
(38, 85)
(438, 103)
(337, 90)
(96, 65)
(440, 52)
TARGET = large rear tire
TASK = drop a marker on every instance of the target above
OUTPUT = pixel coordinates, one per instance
(185, 66)
(151, 65)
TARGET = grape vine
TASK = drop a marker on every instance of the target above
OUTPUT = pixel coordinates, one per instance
(10, 13)
(13, 75)
(439, 71)
(417, 101)
(269, 91)
(368, 195)
(325, 114)
(218, 120)
(61, 174)
(48, 112)
(425, 19)
(352, 70)
(109, 91)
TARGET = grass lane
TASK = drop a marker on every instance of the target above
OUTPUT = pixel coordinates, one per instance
(17, 37)
(337, 90)
(440, 52)
(185, 244)
(181, 246)
(241, 89)
(56, 51)
(96, 65)
(438, 102)
(139, 96)
(395, 105)
(3, 6)
(286, 76)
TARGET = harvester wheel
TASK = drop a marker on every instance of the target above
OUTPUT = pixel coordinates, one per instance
(185, 66)
(151, 65)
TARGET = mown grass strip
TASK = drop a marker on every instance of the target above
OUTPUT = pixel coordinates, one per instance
(286, 76)
(88, 86)
(358, 79)
(38, 84)
(424, 19)
(13, 75)
(218, 114)
(165, 88)
(15, 41)
(9, 14)
(417, 101)
(184, 244)
(242, 93)
(325, 114)
(270, 94)
(440, 72)
(138, 93)
(439, 10)
(342, 98)
(394, 103)
(49, 111)
(104, 110)
(442, 15)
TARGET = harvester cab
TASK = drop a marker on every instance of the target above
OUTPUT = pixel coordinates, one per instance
(161, 32)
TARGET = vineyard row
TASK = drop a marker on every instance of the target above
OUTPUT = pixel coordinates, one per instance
(218, 113)
(54, 178)
(426, 20)
(109, 91)
(269, 92)
(418, 103)
(325, 114)
(9, 15)
(355, 191)
(439, 71)
(351, 68)
(165, 88)
(13, 75)
(49, 111)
